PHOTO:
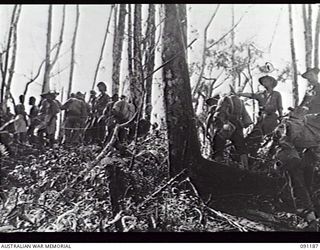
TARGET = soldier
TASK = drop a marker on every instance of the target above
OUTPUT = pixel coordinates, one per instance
(20, 123)
(123, 111)
(92, 99)
(108, 118)
(49, 109)
(270, 102)
(312, 99)
(102, 99)
(33, 117)
(75, 111)
(298, 152)
(85, 114)
(98, 128)
(229, 119)
(88, 132)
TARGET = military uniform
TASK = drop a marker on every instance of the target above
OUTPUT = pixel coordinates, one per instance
(312, 97)
(76, 111)
(269, 104)
(34, 121)
(98, 127)
(231, 112)
(298, 153)
(48, 112)
(20, 123)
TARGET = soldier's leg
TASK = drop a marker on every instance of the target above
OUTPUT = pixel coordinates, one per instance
(76, 131)
(309, 159)
(52, 131)
(302, 199)
(254, 139)
(101, 130)
(237, 139)
(67, 130)
(218, 144)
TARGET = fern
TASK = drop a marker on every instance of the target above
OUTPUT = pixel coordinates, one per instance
(3, 151)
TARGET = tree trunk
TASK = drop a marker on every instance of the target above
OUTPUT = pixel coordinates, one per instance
(182, 14)
(117, 49)
(5, 64)
(14, 26)
(149, 59)
(184, 148)
(46, 79)
(307, 40)
(295, 89)
(233, 48)
(199, 83)
(136, 86)
(102, 48)
(316, 40)
(49, 64)
(73, 47)
(130, 48)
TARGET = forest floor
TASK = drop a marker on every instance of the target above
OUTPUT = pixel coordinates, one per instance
(39, 194)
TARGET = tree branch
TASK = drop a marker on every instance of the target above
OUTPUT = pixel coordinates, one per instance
(204, 55)
(102, 48)
(235, 26)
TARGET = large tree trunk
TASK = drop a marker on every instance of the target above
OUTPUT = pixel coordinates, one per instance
(136, 85)
(295, 89)
(102, 47)
(117, 49)
(184, 148)
(182, 14)
(150, 57)
(73, 47)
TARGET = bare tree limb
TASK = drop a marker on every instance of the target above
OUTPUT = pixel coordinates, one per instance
(102, 48)
(235, 26)
(73, 47)
(6, 60)
(55, 57)
(14, 52)
(33, 78)
(204, 51)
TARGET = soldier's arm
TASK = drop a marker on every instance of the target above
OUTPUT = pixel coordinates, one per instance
(208, 123)
(248, 95)
(65, 105)
(279, 104)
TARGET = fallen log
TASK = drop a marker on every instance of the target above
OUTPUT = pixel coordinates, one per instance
(212, 178)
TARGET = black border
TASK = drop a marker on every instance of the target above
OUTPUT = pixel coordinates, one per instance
(187, 237)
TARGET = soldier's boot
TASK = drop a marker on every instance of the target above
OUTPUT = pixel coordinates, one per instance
(244, 161)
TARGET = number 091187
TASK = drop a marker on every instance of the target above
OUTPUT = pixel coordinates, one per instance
(309, 245)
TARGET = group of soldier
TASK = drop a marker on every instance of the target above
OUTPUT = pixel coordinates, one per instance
(94, 121)
(228, 117)
(295, 136)
(83, 121)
